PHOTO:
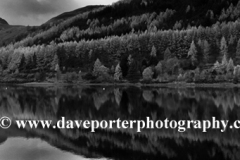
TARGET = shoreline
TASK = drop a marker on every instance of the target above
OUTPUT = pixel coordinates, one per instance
(170, 85)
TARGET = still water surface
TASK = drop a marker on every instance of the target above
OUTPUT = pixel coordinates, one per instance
(130, 103)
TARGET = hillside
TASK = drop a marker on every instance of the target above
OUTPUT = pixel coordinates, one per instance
(139, 15)
(168, 40)
(70, 14)
(12, 33)
(3, 22)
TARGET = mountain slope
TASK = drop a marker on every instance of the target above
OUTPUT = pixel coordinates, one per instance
(123, 17)
(10, 34)
(70, 14)
(3, 22)
(175, 36)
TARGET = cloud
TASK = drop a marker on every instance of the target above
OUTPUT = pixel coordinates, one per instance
(35, 7)
(33, 11)
(36, 12)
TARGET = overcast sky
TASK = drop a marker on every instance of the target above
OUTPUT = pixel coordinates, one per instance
(36, 12)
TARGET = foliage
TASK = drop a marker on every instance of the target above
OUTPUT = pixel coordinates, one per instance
(230, 66)
(237, 58)
(224, 47)
(124, 66)
(192, 53)
(99, 69)
(171, 66)
(147, 74)
(118, 73)
(40, 76)
(70, 77)
(167, 54)
(133, 73)
(137, 39)
(89, 76)
(206, 52)
(153, 52)
(159, 69)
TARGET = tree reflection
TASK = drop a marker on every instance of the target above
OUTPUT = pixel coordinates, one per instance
(96, 103)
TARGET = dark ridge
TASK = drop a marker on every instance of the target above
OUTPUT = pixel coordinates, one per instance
(3, 21)
(70, 14)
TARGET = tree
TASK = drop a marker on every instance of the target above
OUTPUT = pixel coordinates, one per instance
(130, 59)
(159, 69)
(55, 62)
(153, 60)
(237, 59)
(167, 54)
(224, 48)
(147, 74)
(172, 66)
(216, 64)
(192, 53)
(22, 65)
(118, 73)
(206, 52)
(96, 67)
(153, 52)
(29, 63)
(236, 71)
(188, 8)
(99, 69)
(1, 69)
(124, 66)
(34, 61)
(133, 72)
(230, 66)
(224, 60)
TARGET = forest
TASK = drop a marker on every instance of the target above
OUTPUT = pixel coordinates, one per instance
(131, 41)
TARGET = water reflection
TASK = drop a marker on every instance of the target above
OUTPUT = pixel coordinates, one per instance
(125, 103)
(33, 149)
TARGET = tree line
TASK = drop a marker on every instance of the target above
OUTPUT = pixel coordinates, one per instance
(167, 53)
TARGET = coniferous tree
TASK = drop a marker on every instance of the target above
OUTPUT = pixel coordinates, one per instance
(55, 62)
(22, 65)
(153, 57)
(33, 64)
(159, 69)
(29, 63)
(192, 53)
(118, 73)
(1, 69)
(206, 52)
(167, 54)
(58, 71)
(96, 67)
(55, 67)
(237, 59)
(230, 65)
(223, 48)
(153, 52)
(224, 60)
